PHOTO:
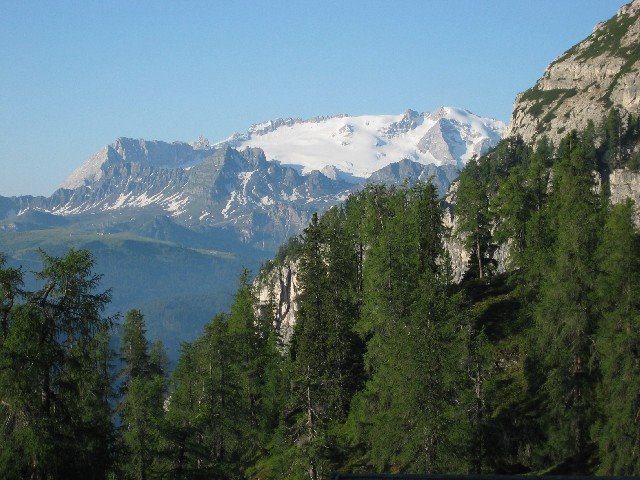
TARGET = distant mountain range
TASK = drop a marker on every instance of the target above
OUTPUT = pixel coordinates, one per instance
(262, 185)
(360, 145)
(231, 203)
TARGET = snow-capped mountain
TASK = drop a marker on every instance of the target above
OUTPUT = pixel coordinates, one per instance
(360, 145)
(172, 224)
(264, 184)
(143, 152)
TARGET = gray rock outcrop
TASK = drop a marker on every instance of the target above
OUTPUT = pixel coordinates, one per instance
(583, 84)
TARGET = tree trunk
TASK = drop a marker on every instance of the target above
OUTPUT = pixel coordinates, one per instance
(479, 255)
(313, 474)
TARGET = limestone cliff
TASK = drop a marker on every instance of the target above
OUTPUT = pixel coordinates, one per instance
(277, 288)
(599, 73)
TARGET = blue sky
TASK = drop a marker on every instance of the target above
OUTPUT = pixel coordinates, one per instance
(76, 75)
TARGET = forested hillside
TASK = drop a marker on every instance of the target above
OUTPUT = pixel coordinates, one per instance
(495, 329)
(392, 366)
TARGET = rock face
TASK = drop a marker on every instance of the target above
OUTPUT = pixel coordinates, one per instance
(583, 84)
(396, 173)
(624, 184)
(141, 152)
(279, 288)
(259, 202)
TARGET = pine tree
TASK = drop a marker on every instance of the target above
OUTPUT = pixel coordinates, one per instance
(143, 393)
(309, 354)
(405, 417)
(472, 210)
(181, 448)
(258, 366)
(11, 283)
(54, 376)
(565, 317)
(134, 349)
(618, 344)
(613, 137)
(344, 348)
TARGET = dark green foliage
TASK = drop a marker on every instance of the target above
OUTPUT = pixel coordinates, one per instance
(206, 418)
(477, 186)
(408, 417)
(226, 396)
(618, 344)
(565, 315)
(392, 366)
(54, 373)
(143, 393)
(472, 207)
(324, 350)
(134, 349)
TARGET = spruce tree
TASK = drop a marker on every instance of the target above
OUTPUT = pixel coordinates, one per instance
(258, 367)
(565, 316)
(181, 448)
(309, 354)
(143, 394)
(618, 344)
(408, 415)
(55, 386)
(11, 283)
(474, 224)
(134, 348)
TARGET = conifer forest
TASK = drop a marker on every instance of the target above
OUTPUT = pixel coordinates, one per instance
(530, 364)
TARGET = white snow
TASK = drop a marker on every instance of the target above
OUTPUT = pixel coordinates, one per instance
(355, 145)
(174, 204)
(343, 146)
(360, 145)
(227, 208)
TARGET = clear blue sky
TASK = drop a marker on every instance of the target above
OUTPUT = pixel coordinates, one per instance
(76, 75)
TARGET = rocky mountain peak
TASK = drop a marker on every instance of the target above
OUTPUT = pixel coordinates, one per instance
(584, 83)
(202, 143)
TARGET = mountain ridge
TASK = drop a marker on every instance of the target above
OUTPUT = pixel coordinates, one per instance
(581, 85)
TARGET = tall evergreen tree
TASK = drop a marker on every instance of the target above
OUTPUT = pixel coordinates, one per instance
(143, 393)
(472, 210)
(206, 418)
(11, 283)
(407, 412)
(613, 137)
(618, 344)
(54, 376)
(258, 367)
(134, 348)
(181, 445)
(309, 353)
(565, 315)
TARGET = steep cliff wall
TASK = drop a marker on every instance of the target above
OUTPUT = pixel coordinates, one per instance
(278, 288)
(583, 84)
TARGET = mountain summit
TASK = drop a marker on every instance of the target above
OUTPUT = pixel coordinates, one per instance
(174, 222)
(584, 83)
(352, 147)
(360, 145)
(264, 184)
